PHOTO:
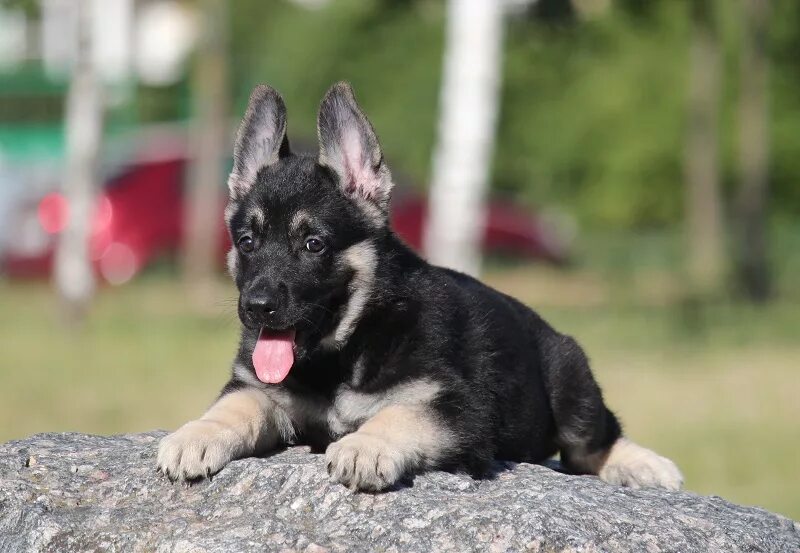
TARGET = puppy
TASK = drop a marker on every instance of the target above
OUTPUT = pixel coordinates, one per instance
(352, 343)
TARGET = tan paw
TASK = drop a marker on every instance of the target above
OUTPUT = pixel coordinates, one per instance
(634, 466)
(197, 449)
(364, 462)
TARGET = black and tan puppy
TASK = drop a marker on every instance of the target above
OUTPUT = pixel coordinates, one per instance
(353, 344)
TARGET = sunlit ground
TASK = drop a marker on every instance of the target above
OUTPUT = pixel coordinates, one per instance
(719, 395)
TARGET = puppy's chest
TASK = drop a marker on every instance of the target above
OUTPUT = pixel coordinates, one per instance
(350, 404)
(344, 412)
(349, 407)
(340, 413)
(349, 410)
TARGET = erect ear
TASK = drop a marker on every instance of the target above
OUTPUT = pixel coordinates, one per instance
(261, 139)
(349, 147)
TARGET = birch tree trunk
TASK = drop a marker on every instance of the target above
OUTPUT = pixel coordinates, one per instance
(704, 217)
(753, 269)
(73, 274)
(209, 144)
(468, 113)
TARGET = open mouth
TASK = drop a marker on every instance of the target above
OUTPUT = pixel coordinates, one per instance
(273, 355)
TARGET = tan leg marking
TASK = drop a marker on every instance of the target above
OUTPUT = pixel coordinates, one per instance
(239, 424)
(629, 464)
(394, 442)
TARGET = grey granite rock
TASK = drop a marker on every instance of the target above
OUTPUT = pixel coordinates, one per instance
(73, 492)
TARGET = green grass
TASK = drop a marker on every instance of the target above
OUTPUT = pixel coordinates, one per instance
(145, 359)
(719, 396)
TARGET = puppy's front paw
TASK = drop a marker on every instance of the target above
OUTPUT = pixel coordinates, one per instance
(197, 449)
(634, 466)
(364, 462)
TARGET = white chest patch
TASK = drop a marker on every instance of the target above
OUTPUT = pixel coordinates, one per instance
(350, 408)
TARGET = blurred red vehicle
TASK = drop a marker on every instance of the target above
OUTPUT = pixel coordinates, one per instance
(139, 217)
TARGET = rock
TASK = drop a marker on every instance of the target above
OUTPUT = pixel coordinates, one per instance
(73, 492)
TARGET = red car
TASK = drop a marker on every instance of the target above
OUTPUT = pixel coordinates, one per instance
(139, 217)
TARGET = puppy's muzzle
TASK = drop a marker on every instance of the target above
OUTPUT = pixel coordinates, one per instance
(263, 308)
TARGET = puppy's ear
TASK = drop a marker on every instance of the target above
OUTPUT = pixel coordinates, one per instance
(349, 147)
(261, 139)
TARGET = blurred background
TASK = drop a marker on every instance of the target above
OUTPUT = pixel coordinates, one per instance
(629, 168)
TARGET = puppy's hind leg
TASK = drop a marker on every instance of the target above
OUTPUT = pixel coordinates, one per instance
(629, 464)
(589, 435)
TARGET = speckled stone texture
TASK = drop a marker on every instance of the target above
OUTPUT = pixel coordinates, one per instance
(73, 492)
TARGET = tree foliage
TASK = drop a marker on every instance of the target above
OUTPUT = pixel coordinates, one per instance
(593, 107)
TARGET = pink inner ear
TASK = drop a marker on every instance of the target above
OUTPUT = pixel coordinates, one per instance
(359, 175)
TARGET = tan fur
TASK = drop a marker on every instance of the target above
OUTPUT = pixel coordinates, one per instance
(230, 209)
(298, 411)
(349, 408)
(352, 408)
(257, 218)
(398, 439)
(232, 262)
(302, 410)
(239, 424)
(298, 219)
(629, 464)
(362, 259)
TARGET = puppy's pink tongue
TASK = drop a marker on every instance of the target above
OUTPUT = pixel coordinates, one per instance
(273, 355)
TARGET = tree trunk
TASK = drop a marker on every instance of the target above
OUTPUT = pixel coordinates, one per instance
(752, 270)
(209, 144)
(73, 274)
(469, 105)
(704, 218)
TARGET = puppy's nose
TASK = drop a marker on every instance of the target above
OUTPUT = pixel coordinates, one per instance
(260, 307)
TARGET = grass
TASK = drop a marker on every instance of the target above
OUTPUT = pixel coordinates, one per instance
(717, 392)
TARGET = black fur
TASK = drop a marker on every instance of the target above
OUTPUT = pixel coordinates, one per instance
(511, 386)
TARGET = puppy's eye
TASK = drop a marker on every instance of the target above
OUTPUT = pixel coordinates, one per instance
(315, 245)
(245, 244)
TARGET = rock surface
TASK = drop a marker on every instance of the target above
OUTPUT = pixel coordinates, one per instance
(73, 492)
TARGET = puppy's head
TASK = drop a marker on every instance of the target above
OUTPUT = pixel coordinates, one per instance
(303, 227)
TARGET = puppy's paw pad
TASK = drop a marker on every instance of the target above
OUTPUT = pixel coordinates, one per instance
(634, 466)
(364, 462)
(196, 450)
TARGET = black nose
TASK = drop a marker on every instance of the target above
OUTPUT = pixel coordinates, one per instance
(259, 308)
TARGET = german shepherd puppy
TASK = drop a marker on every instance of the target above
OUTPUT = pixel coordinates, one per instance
(355, 345)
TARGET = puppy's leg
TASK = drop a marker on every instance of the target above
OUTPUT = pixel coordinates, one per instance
(242, 422)
(589, 435)
(398, 440)
(628, 464)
